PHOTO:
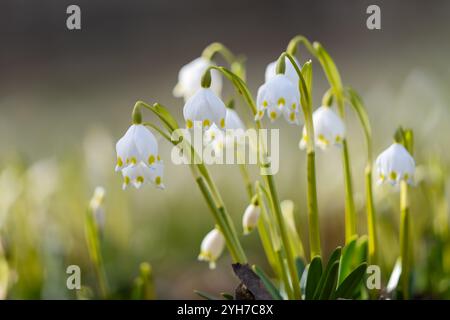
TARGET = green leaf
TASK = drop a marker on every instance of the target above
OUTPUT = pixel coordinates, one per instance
(205, 295)
(267, 283)
(347, 256)
(330, 282)
(347, 288)
(227, 296)
(331, 261)
(361, 250)
(314, 274)
(330, 69)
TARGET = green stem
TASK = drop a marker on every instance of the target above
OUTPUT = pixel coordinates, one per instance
(211, 195)
(275, 203)
(243, 89)
(216, 47)
(350, 212)
(335, 82)
(247, 181)
(371, 218)
(313, 212)
(220, 221)
(313, 216)
(404, 238)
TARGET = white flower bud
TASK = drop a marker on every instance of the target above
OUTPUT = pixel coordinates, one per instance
(212, 247)
(395, 164)
(250, 218)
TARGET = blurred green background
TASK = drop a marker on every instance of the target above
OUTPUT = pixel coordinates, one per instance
(66, 97)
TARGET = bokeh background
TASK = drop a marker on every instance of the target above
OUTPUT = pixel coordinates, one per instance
(66, 97)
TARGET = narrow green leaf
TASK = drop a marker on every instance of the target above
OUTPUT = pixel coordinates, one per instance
(361, 250)
(227, 296)
(314, 274)
(267, 283)
(333, 258)
(351, 283)
(329, 67)
(347, 256)
(205, 295)
(330, 282)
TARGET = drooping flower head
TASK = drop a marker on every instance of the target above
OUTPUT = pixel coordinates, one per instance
(290, 72)
(190, 75)
(251, 217)
(211, 247)
(279, 96)
(395, 164)
(204, 108)
(138, 158)
(329, 129)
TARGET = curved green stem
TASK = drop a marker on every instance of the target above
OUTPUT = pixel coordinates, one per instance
(243, 89)
(313, 212)
(358, 105)
(203, 179)
(218, 48)
(335, 82)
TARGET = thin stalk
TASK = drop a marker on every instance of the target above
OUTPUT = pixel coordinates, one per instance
(313, 212)
(405, 238)
(213, 200)
(275, 202)
(247, 181)
(273, 250)
(335, 82)
(350, 212)
(371, 218)
(313, 217)
(222, 224)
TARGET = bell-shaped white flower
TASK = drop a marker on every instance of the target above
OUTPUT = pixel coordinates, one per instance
(190, 75)
(279, 96)
(212, 247)
(216, 138)
(204, 108)
(290, 72)
(395, 164)
(141, 174)
(250, 218)
(329, 129)
(137, 145)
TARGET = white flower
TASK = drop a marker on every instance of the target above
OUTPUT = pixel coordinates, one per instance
(190, 75)
(212, 247)
(96, 206)
(233, 121)
(137, 145)
(250, 218)
(395, 164)
(290, 70)
(235, 131)
(329, 129)
(279, 96)
(205, 108)
(141, 174)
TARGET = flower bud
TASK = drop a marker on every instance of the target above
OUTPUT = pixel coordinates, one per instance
(212, 247)
(251, 217)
